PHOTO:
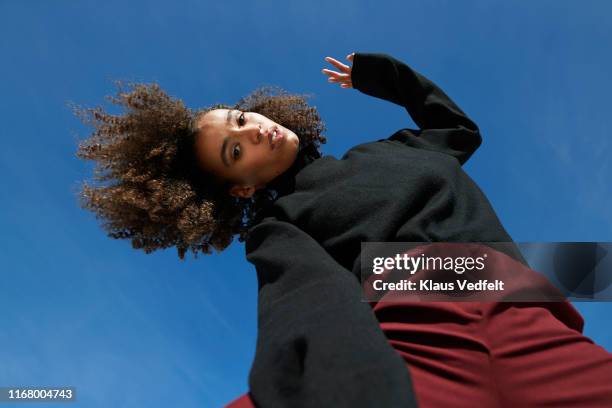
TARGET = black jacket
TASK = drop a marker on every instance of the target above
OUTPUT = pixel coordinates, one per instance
(318, 344)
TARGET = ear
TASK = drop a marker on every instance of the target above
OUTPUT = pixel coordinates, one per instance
(244, 191)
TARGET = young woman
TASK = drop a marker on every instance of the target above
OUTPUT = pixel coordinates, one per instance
(195, 179)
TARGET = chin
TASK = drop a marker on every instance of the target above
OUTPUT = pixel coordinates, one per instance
(292, 147)
(293, 138)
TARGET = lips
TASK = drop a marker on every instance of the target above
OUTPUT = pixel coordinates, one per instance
(275, 141)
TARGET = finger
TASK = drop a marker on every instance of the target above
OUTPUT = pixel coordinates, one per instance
(339, 81)
(338, 64)
(334, 73)
(340, 78)
(342, 67)
(350, 56)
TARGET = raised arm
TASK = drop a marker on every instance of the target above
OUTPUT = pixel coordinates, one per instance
(443, 126)
(318, 344)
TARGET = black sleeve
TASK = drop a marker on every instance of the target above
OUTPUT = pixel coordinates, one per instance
(443, 126)
(318, 344)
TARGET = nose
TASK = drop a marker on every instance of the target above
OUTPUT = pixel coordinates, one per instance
(253, 134)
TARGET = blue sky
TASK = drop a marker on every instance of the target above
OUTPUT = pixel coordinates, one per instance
(131, 330)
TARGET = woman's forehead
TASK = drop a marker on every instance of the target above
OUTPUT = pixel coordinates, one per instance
(216, 118)
(210, 138)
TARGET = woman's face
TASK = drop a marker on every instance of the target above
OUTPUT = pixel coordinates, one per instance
(240, 147)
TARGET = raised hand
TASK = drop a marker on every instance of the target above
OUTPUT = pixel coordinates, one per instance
(344, 77)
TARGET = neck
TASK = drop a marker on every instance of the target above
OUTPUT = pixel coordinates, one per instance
(285, 183)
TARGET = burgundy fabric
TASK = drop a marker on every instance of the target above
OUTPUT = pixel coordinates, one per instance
(244, 401)
(466, 354)
(497, 353)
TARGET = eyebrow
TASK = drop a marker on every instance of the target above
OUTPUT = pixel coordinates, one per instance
(228, 121)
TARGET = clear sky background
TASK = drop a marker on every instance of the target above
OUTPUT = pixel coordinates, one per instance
(133, 330)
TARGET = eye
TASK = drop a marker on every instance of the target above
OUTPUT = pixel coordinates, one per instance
(241, 119)
(236, 150)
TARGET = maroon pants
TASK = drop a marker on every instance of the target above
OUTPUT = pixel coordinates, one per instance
(466, 354)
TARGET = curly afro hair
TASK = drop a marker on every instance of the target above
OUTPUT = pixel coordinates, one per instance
(151, 189)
